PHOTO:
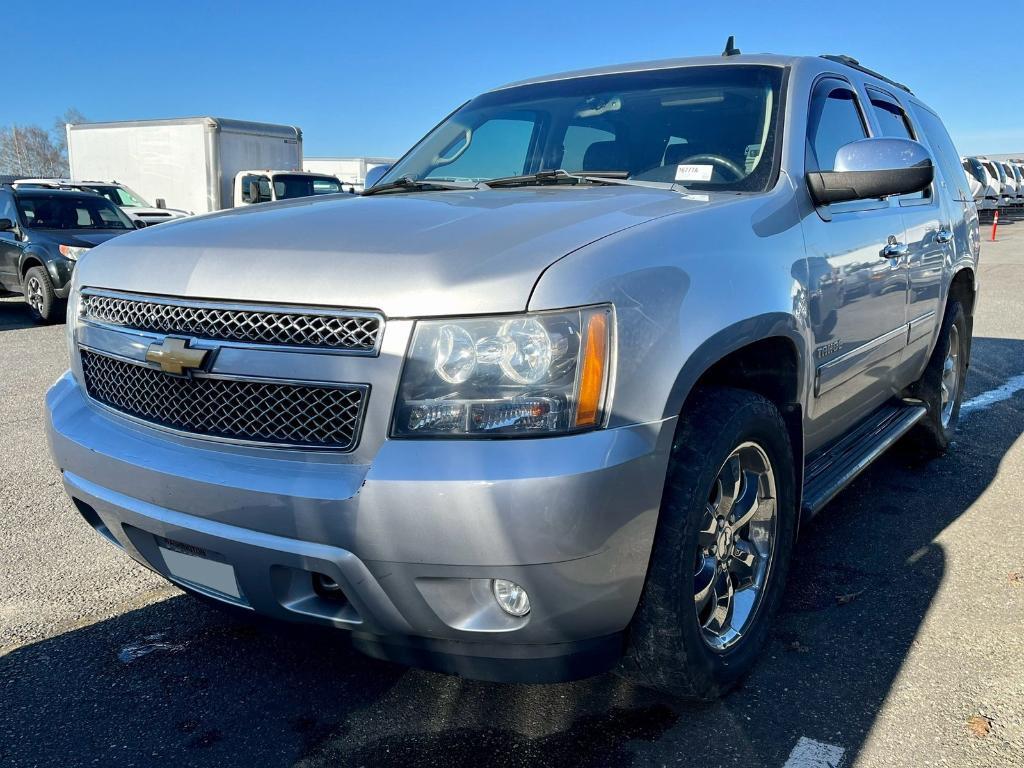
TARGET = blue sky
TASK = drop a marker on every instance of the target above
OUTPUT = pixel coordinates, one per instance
(371, 78)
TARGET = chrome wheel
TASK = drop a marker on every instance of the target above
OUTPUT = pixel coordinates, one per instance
(950, 376)
(34, 294)
(735, 546)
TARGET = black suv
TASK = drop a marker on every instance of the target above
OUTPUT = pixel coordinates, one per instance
(43, 232)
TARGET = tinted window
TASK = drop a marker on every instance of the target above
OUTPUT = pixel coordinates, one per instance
(891, 119)
(71, 212)
(7, 209)
(287, 186)
(946, 157)
(727, 115)
(835, 122)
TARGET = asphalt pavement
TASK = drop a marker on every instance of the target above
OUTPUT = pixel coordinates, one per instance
(899, 644)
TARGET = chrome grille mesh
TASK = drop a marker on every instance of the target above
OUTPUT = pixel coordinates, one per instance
(305, 328)
(292, 414)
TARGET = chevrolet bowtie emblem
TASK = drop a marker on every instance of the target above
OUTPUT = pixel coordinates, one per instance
(174, 356)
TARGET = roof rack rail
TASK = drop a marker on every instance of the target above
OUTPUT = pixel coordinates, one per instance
(854, 64)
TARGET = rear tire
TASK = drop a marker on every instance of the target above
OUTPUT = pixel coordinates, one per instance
(941, 386)
(675, 644)
(42, 300)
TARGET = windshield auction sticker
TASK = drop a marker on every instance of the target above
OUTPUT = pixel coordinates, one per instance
(694, 172)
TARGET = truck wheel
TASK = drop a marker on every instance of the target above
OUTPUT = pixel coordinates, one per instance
(941, 386)
(42, 301)
(722, 549)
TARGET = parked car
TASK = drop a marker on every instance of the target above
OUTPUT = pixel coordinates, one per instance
(984, 187)
(132, 203)
(557, 393)
(1013, 173)
(43, 233)
(1007, 192)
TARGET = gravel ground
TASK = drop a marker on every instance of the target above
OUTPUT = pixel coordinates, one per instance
(900, 641)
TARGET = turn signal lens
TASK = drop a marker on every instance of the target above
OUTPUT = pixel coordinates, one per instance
(592, 377)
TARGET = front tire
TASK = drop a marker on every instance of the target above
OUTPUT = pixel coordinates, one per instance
(722, 549)
(42, 300)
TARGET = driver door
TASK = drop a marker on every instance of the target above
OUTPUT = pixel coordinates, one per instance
(10, 246)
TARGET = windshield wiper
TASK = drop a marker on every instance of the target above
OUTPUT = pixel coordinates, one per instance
(559, 176)
(409, 184)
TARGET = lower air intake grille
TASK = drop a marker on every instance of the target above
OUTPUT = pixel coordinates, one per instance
(307, 415)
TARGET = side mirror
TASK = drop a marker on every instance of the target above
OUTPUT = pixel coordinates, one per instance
(140, 224)
(374, 175)
(872, 168)
(254, 192)
(161, 203)
(7, 225)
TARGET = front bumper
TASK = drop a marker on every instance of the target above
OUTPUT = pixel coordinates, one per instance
(412, 539)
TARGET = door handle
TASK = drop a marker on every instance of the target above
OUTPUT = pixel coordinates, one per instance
(894, 249)
(943, 236)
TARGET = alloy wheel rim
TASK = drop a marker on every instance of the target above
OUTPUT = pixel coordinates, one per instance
(735, 546)
(950, 376)
(35, 294)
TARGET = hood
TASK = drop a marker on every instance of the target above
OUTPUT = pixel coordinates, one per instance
(82, 238)
(419, 254)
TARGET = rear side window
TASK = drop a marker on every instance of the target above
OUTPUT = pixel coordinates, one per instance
(835, 121)
(891, 118)
(946, 157)
(893, 122)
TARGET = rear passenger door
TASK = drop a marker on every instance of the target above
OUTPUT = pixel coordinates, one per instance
(927, 221)
(951, 239)
(857, 294)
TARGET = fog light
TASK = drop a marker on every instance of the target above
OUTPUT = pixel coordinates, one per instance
(511, 597)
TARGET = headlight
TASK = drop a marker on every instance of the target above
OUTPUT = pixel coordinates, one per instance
(71, 252)
(540, 373)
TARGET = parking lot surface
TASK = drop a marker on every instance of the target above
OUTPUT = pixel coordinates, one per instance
(899, 644)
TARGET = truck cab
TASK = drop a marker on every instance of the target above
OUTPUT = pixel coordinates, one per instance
(266, 186)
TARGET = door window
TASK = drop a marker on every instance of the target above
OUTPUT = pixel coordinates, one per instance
(262, 189)
(836, 121)
(895, 123)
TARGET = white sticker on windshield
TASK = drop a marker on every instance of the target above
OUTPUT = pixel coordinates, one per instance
(694, 172)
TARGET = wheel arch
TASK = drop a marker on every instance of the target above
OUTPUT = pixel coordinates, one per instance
(766, 355)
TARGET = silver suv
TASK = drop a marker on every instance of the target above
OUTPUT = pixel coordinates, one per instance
(553, 396)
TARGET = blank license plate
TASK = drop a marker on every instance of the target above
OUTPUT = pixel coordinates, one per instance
(201, 571)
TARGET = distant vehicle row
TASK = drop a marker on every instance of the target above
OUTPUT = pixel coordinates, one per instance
(995, 184)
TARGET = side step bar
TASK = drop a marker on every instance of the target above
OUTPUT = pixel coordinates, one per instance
(833, 469)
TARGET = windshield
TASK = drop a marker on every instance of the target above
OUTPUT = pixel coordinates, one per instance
(40, 211)
(120, 195)
(287, 186)
(710, 127)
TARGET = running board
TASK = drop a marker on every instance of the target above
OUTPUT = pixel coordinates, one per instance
(831, 471)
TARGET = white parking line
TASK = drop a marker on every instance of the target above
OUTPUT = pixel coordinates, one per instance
(997, 395)
(809, 753)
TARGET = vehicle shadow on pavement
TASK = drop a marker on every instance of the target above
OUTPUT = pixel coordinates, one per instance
(14, 315)
(178, 683)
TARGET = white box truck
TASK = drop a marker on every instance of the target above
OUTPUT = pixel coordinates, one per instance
(350, 170)
(189, 163)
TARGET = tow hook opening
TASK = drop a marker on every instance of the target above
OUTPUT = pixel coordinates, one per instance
(329, 589)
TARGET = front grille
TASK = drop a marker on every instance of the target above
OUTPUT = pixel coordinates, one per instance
(341, 331)
(306, 415)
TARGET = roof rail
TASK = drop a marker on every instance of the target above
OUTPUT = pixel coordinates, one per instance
(854, 64)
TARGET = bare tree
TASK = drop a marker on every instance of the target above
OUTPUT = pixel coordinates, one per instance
(60, 134)
(27, 150)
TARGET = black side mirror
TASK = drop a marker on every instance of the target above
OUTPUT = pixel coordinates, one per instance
(872, 168)
(7, 225)
(254, 192)
(161, 203)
